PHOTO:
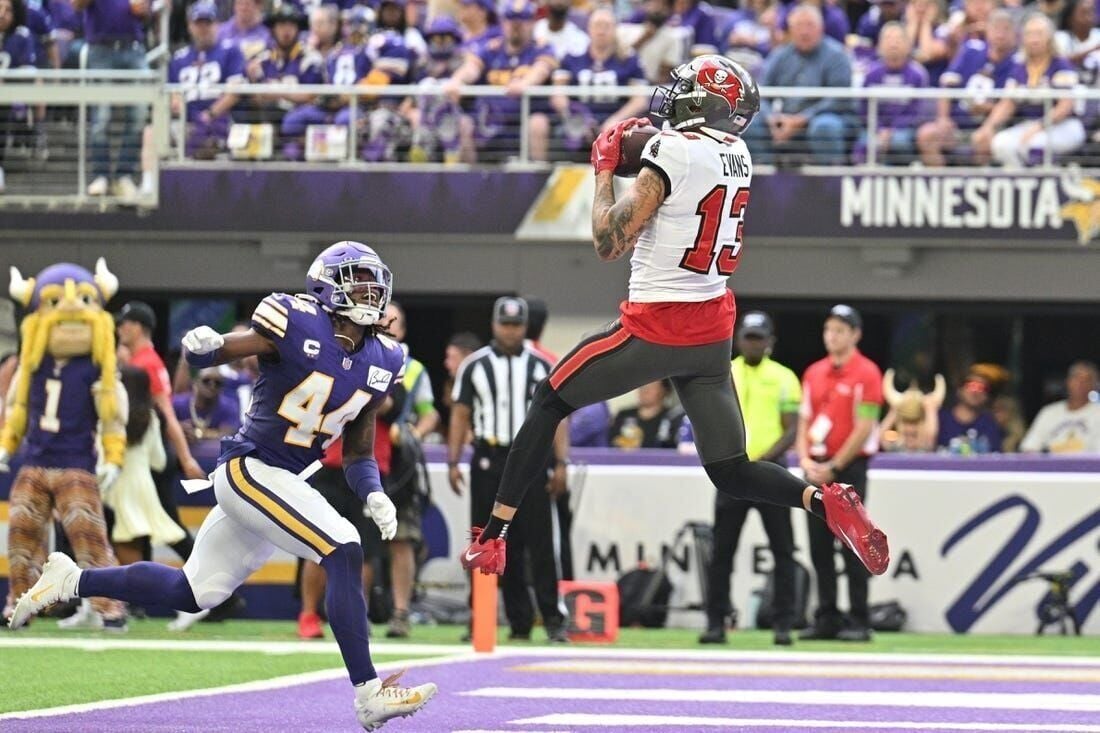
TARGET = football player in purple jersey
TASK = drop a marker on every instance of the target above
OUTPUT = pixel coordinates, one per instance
(203, 63)
(325, 369)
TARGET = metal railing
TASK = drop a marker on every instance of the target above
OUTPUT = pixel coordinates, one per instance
(81, 90)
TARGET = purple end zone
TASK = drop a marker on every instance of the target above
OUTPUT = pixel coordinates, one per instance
(327, 706)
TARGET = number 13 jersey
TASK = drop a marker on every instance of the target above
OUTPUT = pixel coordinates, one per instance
(692, 245)
(312, 388)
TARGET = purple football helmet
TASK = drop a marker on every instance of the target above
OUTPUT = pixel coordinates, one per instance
(349, 278)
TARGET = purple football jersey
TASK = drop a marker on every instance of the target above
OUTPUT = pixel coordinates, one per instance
(474, 44)
(196, 70)
(346, 65)
(499, 66)
(61, 415)
(1059, 74)
(252, 41)
(972, 69)
(17, 49)
(300, 64)
(307, 393)
(584, 70)
(896, 114)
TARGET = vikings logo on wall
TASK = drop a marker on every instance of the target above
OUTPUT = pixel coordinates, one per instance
(973, 202)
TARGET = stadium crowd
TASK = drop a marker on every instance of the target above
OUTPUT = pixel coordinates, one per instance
(445, 45)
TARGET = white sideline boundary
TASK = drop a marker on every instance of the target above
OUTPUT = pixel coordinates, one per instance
(274, 683)
(103, 643)
(99, 644)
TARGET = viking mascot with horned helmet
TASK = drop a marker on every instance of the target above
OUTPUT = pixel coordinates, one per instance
(64, 394)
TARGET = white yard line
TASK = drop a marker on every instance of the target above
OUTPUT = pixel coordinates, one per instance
(959, 700)
(255, 686)
(612, 721)
(811, 669)
(183, 644)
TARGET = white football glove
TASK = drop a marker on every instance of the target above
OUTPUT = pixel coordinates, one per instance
(106, 474)
(203, 340)
(5, 461)
(384, 513)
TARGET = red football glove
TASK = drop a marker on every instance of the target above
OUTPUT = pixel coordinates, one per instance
(605, 148)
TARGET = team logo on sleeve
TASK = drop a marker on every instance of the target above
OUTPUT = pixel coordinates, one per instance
(379, 378)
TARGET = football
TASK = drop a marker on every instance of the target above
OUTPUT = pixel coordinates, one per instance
(630, 151)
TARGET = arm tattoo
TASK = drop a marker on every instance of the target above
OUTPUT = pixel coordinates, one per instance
(616, 225)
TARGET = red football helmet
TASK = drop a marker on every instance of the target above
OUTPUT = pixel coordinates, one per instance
(709, 91)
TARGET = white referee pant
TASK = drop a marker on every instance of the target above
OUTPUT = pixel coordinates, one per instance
(1064, 137)
(259, 508)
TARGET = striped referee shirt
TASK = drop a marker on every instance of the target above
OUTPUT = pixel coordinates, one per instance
(498, 389)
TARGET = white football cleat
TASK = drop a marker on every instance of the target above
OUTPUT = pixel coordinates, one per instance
(85, 617)
(378, 700)
(185, 620)
(58, 583)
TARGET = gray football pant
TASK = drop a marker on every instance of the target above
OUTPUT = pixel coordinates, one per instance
(612, 362)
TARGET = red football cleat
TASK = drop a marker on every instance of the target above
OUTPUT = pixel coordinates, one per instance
(848, 520)
(309, 626)
(488, 557)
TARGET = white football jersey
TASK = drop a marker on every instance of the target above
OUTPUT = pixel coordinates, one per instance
(692, 245)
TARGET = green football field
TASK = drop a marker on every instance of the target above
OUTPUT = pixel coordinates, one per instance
(39, 675)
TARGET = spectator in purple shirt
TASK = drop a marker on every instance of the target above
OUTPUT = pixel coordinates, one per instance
(590, 426)
(897, 119)
(1024, 143)
(699, 18)
(970, 419)
(879, 14)
(746, 34)
(287, 62)
(114, 33)
(246, 28)
(205, 62)
(479, 22)
(206, 413)
(17, 49)
(980, 66)
(835, 19)
(600, 65)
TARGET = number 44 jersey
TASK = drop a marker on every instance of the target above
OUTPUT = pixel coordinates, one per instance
(312, 388)
(692, 245)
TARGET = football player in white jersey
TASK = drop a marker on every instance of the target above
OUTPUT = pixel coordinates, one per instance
(683, 220)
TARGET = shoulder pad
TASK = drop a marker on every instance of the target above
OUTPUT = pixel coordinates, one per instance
(182, 53)
(388, 342)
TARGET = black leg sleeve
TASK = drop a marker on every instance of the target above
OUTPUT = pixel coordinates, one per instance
(532, 447)
(761, 481)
